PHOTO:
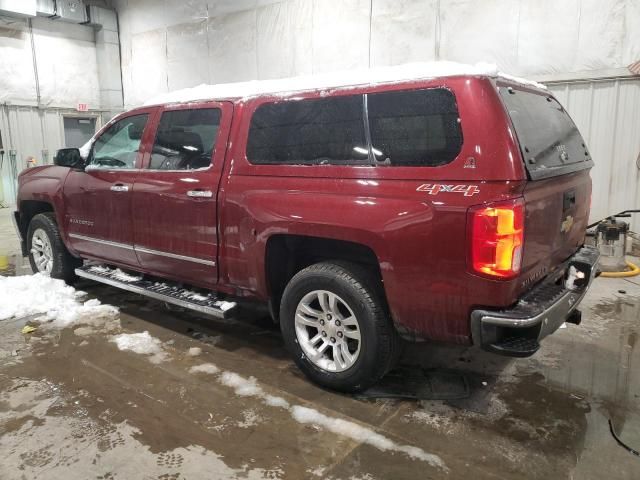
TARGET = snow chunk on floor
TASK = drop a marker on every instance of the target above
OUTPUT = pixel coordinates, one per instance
(248, 387)
(251, 419)
(204, 368)
(224, 306)
(274, 401)
(194, 351)
(141, 343)
(361, 434)
(245, 387)
(39, 294)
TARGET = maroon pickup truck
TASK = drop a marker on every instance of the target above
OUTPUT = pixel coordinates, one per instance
(449, 209)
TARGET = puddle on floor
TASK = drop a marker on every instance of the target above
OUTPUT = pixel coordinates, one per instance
(74, 403)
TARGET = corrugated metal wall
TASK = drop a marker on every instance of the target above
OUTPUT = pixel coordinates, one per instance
(607, 113)
(30, 132)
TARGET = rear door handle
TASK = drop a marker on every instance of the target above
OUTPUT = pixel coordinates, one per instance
(119, 187)
(200, 193)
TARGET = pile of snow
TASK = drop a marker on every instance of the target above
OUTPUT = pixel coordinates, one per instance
(141, 343)
(358, 77)
(58, 302)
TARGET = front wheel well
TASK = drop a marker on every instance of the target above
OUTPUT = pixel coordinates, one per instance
(288, 254)
(29, 209)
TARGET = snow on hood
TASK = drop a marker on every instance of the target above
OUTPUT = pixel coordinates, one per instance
(56, 301)
(371, 76)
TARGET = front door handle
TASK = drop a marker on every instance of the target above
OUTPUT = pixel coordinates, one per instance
(200, 193)
(119, 187)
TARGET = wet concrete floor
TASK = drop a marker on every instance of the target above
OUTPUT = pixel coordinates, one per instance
(73, 406)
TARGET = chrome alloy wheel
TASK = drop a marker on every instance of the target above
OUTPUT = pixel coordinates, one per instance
(41, 251)
(328, 331)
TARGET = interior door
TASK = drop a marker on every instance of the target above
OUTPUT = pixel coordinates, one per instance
(175, 196)
(97, 199)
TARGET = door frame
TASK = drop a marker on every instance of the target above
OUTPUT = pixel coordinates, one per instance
(214, 172)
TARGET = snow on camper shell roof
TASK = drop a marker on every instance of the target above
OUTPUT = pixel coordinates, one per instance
(353, 78)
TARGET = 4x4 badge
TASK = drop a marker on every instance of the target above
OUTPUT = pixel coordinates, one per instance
(436, 188)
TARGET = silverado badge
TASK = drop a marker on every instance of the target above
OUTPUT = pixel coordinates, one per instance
(566, 224)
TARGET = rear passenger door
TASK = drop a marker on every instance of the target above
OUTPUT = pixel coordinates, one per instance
(175, 195)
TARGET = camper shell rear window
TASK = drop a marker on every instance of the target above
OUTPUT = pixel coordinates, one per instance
(549, 140)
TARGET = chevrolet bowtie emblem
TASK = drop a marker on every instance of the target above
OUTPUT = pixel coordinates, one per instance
(566, 224)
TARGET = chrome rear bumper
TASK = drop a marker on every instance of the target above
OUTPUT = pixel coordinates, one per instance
(517, 331)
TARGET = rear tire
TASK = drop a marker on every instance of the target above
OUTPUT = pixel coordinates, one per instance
(47, 252)
(335, 325)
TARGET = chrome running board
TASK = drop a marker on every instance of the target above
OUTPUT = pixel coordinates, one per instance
(158, 290)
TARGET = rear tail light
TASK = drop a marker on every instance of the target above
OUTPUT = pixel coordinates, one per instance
(496, 235)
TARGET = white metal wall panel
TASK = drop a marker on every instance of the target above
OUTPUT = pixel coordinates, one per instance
(625, 185)
(234, 40)
(608, 115)
(31, 132)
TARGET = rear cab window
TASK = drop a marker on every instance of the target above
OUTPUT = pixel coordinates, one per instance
(400, 128)
(549, 140)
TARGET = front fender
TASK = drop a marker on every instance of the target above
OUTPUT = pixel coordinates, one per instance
(45, 185)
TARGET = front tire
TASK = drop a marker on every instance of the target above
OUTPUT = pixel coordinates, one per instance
(47, 252)
(335, 325)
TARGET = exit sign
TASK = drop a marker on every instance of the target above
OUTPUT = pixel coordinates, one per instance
(82, 107)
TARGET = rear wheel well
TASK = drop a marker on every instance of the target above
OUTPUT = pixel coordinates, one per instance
(286, 255)
(28, 210)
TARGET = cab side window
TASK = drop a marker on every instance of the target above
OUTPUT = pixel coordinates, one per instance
(316, 131)
(118, 146)
(185, 139)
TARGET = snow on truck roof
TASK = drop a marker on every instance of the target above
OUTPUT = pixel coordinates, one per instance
(353, 78)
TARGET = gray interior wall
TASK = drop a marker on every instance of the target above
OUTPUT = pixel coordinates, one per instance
(67, 74)
(167, 44)
(607, 113)
(73, 64)
(66, 63)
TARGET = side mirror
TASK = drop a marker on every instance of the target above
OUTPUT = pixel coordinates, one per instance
(68, 157)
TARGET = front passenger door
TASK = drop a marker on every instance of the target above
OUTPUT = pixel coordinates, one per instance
(98, 219)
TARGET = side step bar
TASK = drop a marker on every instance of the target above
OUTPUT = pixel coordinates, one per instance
(163, 291)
